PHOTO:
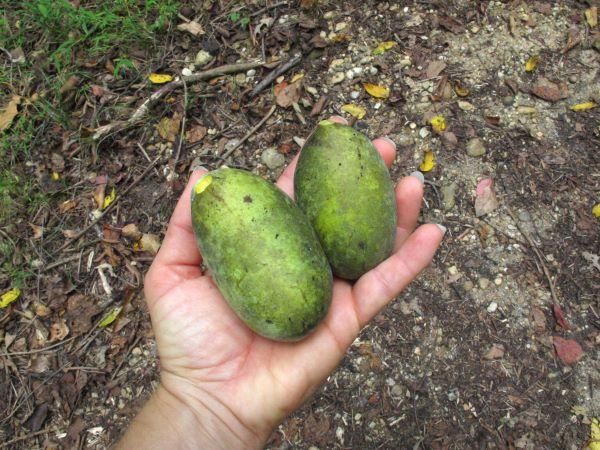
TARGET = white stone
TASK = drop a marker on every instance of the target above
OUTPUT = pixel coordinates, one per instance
(492, 307)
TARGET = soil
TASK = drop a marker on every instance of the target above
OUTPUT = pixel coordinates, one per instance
(465, 356)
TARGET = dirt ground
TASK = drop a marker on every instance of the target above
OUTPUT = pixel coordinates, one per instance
(496, 345)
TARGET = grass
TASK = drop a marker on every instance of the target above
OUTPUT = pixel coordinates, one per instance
(59, 41)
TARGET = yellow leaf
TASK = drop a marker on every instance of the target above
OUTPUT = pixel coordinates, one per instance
(428, 161)
(158, 78)
(583, 106)
(55, 176)
(342, 37)
(438, 123)
(383, 47)
(354, 110)
(297, 77)
(532, 63)
(594, 434)
(109, 198)
(110, 317)
(7, 116)
(461, 90)
(596, 210)
(591, 15)
(9, 297)
(374, 90)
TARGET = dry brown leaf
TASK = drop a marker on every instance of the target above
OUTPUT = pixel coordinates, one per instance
(7, 116)
(435, 68)
(196, 133)
(150, 243)
(131, 231)
(38, 231)
(568, 350)
(288, 94)
(192, 27)
(58, 330)
(485, 200)
(67, 206)
(168, 127)
(550, 91)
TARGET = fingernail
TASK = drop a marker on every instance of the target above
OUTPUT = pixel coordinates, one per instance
(339, 119)
(419, 176)
(389, 141)
(442, 227)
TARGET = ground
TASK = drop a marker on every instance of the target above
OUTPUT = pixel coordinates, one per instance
(496, 345)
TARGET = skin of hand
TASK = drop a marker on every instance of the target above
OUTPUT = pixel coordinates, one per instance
(223, 386)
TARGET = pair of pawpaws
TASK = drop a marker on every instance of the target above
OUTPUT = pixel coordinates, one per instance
(274, 260)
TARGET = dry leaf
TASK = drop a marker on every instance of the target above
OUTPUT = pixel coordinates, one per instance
(374, 90)
(297, 77)
(150, 243)
(196, 134)
(485, 200)
(461, 90)
(438, 123)
(168, 127)
(449, 139)
(428, 161)
(7, 116)
(532, 63)
(591, 16)
(110, 198)
(99, 195)
(288, 94)
(354, 110)
(435, 68)
(97, 91)
(539, 318)
(568, 350)
(67, 206)
(158, 78)
(596, 210)
(58, 330)
(550, 91)
(131, 231)
(192, 27)
(9, 297)
(496, 352)
(583, 106)
(38, 231)
(383, 47)
(560, 317)
(39, 364)
(69, 85)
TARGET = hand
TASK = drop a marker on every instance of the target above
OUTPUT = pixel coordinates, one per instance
(222, 385)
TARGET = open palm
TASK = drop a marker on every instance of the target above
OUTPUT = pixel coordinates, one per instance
(211, 360)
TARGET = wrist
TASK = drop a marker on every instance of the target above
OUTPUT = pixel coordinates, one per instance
(178, 417)
(209, 421)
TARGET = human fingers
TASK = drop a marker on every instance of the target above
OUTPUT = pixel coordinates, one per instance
(377, 287)
(409, 196)
(179, 253)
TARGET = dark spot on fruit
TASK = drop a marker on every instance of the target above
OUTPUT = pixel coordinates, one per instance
(362, 245)
(269, 321)
(277, 235)
(247, 199)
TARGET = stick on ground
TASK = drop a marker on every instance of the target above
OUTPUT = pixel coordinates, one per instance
(282, 68)
(143, 109)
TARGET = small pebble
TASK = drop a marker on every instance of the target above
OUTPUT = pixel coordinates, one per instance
(475, 147)
(507, 100)
(468, 285)
(354, 95)
(373, 70)
(202, 58)
(272, 158)
(186, 72)
(412, 125)
(498, 281)
(424, 132)
(251, 73)
(492, 307)
(484, 283)
(337, 78)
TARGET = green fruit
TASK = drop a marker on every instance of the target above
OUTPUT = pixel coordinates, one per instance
(262, 253)
(344, 187)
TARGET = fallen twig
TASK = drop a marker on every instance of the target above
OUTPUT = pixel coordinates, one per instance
(147, 104)
(249, 133)
(282, 68)
(182, 132)
(24, 438)
(109, 207)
